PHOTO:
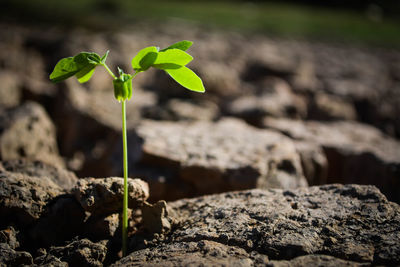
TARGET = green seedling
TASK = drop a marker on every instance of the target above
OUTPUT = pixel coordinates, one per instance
(172, 60)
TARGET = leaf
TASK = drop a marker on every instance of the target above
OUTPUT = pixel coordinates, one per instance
(85, 58)
(104, 57)
(144, 58)
(64, 69)
(86, 73)
(187, 78)
(182, 45)
(173, 56)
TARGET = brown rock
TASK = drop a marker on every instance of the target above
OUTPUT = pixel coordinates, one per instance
(356, 153)
(103, 196)
(330, 107)
(350, 222)
(23, 198)
(27, 132)
(10, 90)
(63, 178)
(217, 157)
(10, 257)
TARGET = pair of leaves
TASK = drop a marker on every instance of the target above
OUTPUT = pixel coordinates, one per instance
(81, 65)
(172, 60)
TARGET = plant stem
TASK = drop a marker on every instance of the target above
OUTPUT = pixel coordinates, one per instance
(125, 201)
(109, 71)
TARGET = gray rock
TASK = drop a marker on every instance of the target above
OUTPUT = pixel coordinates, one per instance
(10, 257)
(356, 153)
(48, 260)
(81, 252)
(350, 222)
(274, 98)
(103, 196)
(23, 198)
(27, 132)
(217, 157)
(10, 90)
(60, 176)
(331, 107)
(201, 253)
(9, 236)
(315, 260)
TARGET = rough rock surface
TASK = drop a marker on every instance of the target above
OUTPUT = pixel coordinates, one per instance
(342, 224)
(103, 196)
(63, 178)
(79, 253)
(219, 157)
(23, 198)
(356, 153)
(10, 257)
(28, 132)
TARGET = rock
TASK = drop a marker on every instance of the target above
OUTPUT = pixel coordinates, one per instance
(27, 132)
(158, 217)
(349, 222)
(330, 107)
(356, 153)
(102, 228)
(63, 178)
(64, 219)
(81, 252)
(315, 260)
(10, 90)
(89, 125)
(275, 98)
(9, 236)
(103, 196)
(201, 253)
(10, 257)
(313, 162)
(23, 198)
(218, 157)
(49, 261)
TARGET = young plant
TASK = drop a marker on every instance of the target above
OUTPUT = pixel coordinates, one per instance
(172, 60)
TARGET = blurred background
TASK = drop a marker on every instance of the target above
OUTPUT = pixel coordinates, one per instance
(324, 74)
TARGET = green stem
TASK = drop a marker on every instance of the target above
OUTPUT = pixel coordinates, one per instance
(109, 71)
(125, 201)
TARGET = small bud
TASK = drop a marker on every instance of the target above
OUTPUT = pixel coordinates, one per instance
(123, 87)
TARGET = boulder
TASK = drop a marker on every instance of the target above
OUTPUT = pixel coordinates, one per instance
(60, 176)
(205, 157)
(103, 196)
(356, 153)
(27, 132)
(23, 199)
(350, 225)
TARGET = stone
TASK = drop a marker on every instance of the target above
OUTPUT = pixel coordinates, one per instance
(23, 199)
(217, 157)
(10, 89)
(103, 196)
(81, 252)
(48, 260)
(356, 153)
(60, 176)
(274, 98)
(10, 257)
(350, 222)
(327, 107)
(9, 236)
(201, 253)
(158, 217)
(316, 260)
(27, 132)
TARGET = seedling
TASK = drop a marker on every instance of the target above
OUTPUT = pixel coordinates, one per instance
(172, 60)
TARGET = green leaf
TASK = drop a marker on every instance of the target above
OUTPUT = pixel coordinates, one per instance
(85, 58)
(144, 58)
(64, 69)
(86, 73)
(187, 78)
(104, 57)
(173, 56)
(182, 45)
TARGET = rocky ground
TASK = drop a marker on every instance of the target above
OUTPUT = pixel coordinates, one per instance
(278, 116)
